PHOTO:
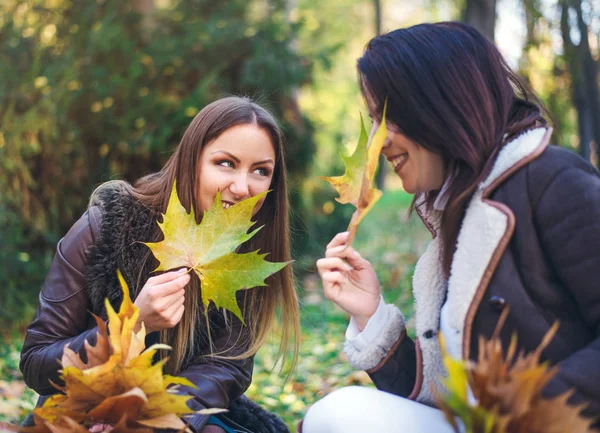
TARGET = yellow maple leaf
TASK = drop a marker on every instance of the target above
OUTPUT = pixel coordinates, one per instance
(356, 185)
(209, 248)
(348, 186)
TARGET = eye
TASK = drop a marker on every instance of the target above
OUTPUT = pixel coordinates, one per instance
(263, 171)
(225, 163)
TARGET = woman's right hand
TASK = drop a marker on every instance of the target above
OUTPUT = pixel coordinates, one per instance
(161, 300)
(352, 284)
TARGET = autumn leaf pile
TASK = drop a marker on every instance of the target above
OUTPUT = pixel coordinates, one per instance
(209, 249)
(356, 185)
(507, 392)
(118, 389)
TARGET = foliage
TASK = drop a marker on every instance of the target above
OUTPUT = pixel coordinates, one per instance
(507, 391)
(96, 90)
(209, 249)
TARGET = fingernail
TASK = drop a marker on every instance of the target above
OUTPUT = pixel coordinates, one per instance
(182, 271)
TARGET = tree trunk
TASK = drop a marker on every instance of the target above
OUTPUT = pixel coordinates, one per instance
(381, 174)
(590, 76)
(481, 14)
(584, 87)
(290, 101)
(377, 4)
(532, 15)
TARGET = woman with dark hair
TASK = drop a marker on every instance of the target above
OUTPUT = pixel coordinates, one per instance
(515, 225)
(233, 146)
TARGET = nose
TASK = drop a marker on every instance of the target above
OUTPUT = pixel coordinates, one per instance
(239, 187)
(386, 143)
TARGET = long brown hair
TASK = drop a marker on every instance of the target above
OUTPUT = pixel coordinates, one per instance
(259, 305)
(450, 90)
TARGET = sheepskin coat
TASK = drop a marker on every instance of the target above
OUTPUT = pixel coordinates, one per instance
(530, 242)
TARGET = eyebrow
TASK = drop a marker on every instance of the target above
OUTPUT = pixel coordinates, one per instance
(236, 159)
(263, 162)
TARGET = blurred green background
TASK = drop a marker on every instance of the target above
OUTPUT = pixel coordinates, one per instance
(103, 89)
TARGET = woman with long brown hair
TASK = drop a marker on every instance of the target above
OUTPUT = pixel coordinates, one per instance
(515, 225)
(233, 146)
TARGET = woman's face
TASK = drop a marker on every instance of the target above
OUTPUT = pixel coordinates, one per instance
(239, 163)
(420, 169)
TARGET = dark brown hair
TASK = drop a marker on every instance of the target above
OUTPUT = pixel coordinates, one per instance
(259, 305)
(450, 90)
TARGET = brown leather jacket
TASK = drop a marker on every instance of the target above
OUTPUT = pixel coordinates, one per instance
(62, 318)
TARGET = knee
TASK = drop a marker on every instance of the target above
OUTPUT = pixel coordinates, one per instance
(336, 409)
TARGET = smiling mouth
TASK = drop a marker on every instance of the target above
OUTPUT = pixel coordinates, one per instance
(227, 204)
(398, 161)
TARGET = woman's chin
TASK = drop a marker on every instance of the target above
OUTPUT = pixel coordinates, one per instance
(409, 188)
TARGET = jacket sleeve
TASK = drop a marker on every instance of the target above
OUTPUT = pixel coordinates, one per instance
(567, 217)
(396, 373)
(62, 314)
(389, 355)
(219, 381)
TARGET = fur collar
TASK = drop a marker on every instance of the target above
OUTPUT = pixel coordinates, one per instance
(125, 223)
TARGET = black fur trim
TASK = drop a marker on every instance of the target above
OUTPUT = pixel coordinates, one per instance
(253, 417)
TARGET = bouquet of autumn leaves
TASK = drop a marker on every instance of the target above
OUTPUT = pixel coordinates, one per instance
(119, 389)
(505, 393)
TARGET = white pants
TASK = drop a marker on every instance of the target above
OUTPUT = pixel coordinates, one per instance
(357, 409)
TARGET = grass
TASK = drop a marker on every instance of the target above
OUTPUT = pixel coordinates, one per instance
(386, 237)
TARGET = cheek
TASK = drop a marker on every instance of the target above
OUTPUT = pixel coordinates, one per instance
(411, 179)
(257, 186)
(207, 185)
(207, 189)
(212, 179)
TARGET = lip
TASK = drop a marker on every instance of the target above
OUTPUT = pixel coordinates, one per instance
(227, 202)
(397, 165)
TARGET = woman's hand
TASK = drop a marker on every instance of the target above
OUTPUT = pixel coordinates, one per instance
(351, 284)
(161, 300)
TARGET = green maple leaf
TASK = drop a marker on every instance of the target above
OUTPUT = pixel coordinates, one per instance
(348, 185)
(209, 248)
(356, 185)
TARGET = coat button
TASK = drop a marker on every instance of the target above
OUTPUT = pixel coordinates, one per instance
(429, 334)
(497, 303)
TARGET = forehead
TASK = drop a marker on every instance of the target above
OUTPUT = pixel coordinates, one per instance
(248, 140)
(372, 105)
